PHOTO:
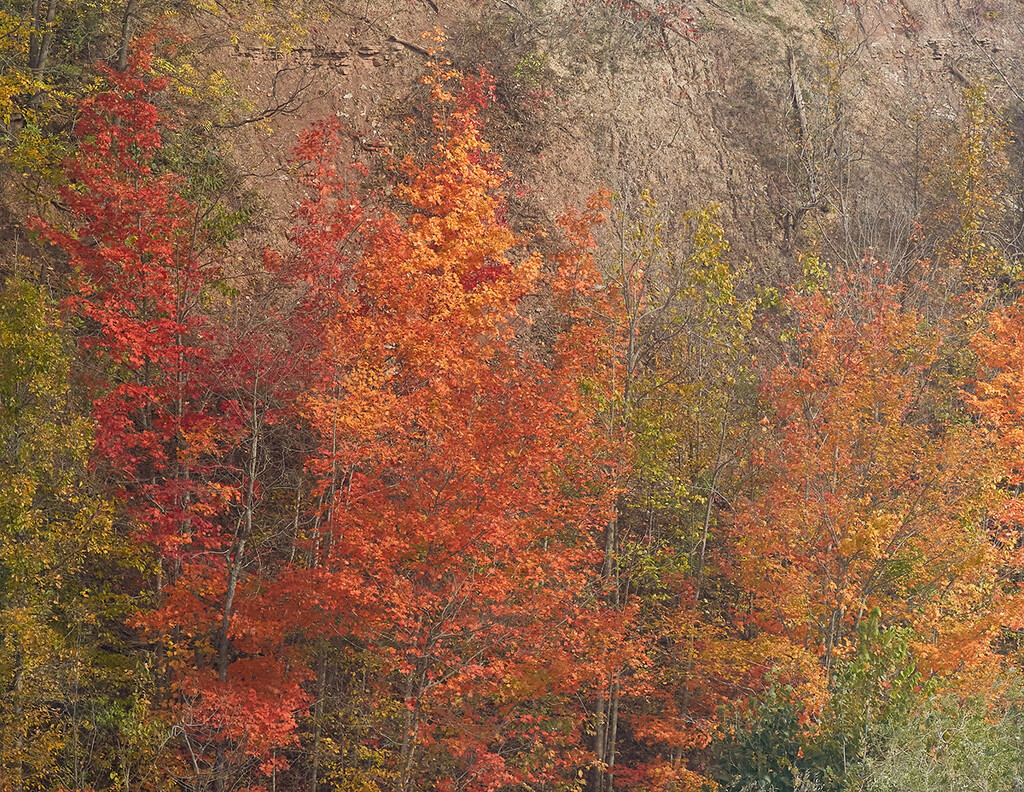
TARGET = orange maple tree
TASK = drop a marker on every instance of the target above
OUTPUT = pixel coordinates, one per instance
(456, 477)
(995, 398)
(871, 492)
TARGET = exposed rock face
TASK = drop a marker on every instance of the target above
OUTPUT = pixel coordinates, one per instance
(815, 126)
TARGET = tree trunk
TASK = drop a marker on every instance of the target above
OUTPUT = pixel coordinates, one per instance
(234, 571)
(318, 714)
(126, 34)
(40, 42)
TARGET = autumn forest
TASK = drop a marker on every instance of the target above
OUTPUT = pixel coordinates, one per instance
(481, 399)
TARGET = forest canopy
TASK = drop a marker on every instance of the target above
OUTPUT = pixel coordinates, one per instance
(396, 451)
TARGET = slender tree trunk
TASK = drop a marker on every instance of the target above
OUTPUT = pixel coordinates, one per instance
(410, 727)
(606, 713)
(235, 563)
(34, 34)
(321, 555)
(318, 714)
(599, 740)
(40, 42)
(613, 727)
(126, 34)
(17, 709)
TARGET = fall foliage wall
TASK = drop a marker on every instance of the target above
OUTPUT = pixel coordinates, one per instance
(407, 492)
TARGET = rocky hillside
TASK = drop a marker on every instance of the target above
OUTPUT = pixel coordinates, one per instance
(818, 128)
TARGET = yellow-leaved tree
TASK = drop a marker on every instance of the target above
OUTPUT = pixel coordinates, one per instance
(72, 711)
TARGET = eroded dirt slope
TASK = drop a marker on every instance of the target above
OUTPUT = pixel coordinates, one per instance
(816, 126)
